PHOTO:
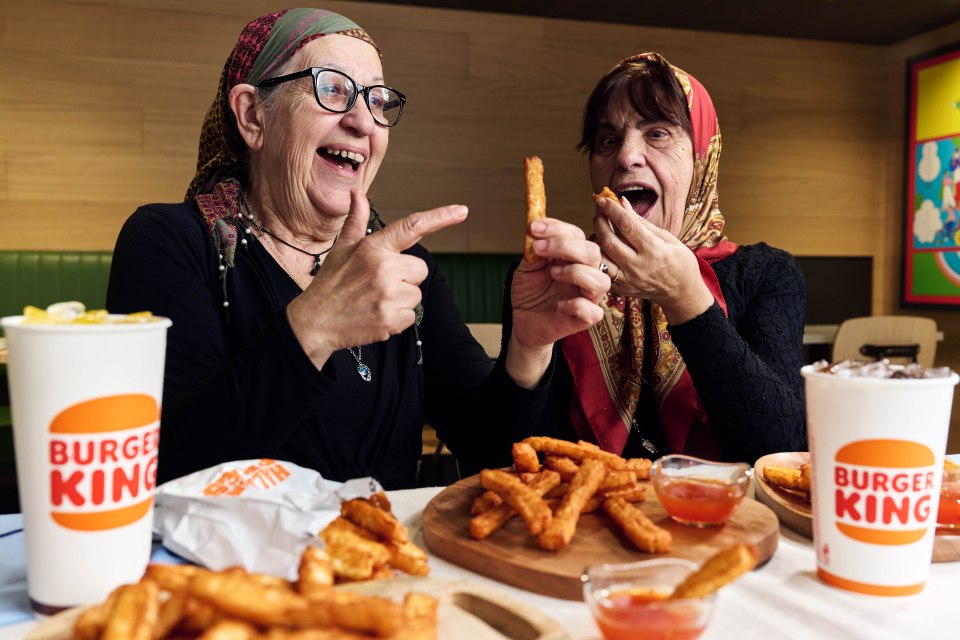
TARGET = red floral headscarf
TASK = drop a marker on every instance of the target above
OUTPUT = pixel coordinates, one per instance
(607, 361)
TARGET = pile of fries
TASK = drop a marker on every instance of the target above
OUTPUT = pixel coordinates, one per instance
(572, 479)
(366, 542)
(183, 601)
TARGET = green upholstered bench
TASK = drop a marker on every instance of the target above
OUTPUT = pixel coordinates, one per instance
(41, 278)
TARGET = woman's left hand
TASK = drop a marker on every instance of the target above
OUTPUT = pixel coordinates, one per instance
(651, 263)
(554, 297)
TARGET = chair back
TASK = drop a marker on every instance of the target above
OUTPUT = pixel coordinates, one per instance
(489, 335)
(900, 339)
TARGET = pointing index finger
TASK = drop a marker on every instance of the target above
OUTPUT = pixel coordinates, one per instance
(410, 230)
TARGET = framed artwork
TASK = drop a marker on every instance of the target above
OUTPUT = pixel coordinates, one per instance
(931, 273)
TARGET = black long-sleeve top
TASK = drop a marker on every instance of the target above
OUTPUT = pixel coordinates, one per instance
(745, 365)
(238, 384)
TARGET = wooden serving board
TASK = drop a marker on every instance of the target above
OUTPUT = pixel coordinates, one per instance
(511, 554)
(465, 611)
(793, 508)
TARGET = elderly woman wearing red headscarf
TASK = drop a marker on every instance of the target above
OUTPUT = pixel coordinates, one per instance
(304, 328)
(700, 348)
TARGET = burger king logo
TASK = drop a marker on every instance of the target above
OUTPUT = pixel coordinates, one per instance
(883, 491)
(103, 461)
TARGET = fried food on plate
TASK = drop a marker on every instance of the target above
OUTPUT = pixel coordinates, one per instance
(374, 519)
(555, 446)
(536, 201)
(521, 498)
(638, 528)
(787, 478)
(525, 458)
(236, 605)
(720, 569)
(584, 484)
(484, 524)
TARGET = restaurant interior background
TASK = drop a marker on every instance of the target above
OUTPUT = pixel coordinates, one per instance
(101, 104)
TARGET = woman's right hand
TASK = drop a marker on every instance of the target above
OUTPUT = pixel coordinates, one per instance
(366, 290)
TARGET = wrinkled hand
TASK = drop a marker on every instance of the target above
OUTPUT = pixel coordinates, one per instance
(367, 290)
(649, 262)
(559, 294)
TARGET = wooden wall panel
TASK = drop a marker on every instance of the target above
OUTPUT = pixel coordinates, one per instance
(101, 103)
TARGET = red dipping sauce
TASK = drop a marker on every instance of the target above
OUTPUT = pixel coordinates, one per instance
(701, 501)
(632, 614)
(948, 515)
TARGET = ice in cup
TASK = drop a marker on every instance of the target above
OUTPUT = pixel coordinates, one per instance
(85, 397)
(876, 445)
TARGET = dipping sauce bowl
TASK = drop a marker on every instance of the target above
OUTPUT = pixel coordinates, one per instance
(698, 492)
(629, 601)
(948, 514)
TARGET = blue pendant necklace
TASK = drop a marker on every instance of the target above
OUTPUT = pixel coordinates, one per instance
(362, 370)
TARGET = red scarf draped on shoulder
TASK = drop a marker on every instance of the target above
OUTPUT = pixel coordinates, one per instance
(607, 361)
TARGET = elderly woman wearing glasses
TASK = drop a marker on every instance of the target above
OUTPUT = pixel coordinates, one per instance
(305, 329)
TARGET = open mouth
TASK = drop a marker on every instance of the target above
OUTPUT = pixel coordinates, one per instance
(640, 198)
(342, 158)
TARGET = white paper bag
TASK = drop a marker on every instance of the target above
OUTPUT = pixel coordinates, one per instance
(257, 514)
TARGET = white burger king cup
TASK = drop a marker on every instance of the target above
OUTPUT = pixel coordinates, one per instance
(876, 447)
(85, 400)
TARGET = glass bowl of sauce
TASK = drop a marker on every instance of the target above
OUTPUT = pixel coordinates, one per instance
(948, 513)
(630, 601)
(699, 492)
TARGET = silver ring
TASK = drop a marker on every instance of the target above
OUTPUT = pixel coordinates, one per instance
(617, 275)
(604, 268)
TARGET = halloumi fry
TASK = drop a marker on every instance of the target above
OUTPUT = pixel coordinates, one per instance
(720, 569)
(409, 558)
(342, 533)
(172, 577)
(525, 458)
(240, 597)
(545, 444)
(528, 504)
(786, 478)
(484, 502)
(89, 625)
(381, 501)
(582, 487)
(170, 614)
(315, 573)
(536, 201)
(605, 193)
(563, 465)
(351, 564)
(640, 466)
(374, 519)
(369, 614)
(229, 630)
(134, 613)
(489, 521)
(638, 528)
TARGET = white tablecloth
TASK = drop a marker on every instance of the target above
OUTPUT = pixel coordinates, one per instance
(781, 600)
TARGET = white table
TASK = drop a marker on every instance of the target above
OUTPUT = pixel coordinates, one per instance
(781, 600)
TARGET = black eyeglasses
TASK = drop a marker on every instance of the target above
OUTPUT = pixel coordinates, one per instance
(337, 92)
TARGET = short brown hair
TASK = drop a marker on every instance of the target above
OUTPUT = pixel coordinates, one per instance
(647, 85)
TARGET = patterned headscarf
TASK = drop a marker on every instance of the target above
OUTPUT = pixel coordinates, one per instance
(609, 360)
(264, 46)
